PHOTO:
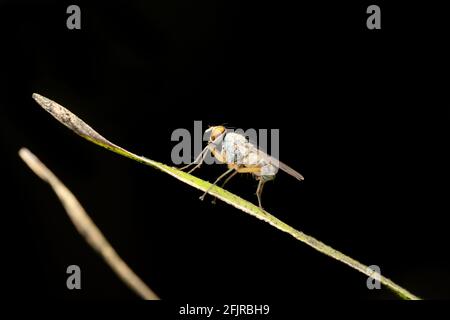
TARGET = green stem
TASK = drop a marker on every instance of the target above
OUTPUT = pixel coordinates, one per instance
(84, 130)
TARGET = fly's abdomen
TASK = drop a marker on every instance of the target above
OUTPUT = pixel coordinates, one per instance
(268, 172)
(239, 151)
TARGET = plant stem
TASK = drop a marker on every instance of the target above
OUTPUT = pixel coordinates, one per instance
(86, 227)
(84, 130)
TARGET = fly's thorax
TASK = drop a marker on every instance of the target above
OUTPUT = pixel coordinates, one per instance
(234, 147)
(234, 138)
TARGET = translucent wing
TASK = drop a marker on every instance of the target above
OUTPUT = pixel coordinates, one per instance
(280, 165)
(290, 171)
(251, 149)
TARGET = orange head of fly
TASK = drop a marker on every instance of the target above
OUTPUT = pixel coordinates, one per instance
(216, 132)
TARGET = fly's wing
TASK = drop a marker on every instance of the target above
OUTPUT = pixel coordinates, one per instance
(281, 165)
(275, 162)
(290, 171)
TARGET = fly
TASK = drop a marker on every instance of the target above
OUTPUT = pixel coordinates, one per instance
(241, 156)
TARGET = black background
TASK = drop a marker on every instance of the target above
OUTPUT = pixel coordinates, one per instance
(361, 114)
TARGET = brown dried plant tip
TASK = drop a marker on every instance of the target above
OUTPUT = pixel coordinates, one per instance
(67, 118)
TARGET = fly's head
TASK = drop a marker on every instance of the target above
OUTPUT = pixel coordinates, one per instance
(217, 133)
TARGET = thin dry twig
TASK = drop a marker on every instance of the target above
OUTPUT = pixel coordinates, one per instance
(86, 227)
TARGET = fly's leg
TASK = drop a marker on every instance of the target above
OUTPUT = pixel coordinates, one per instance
(215, 182)
(215, 152)
(255, 170)
(224, 183)
(200, 158)
(238, 170)
(259, 191)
